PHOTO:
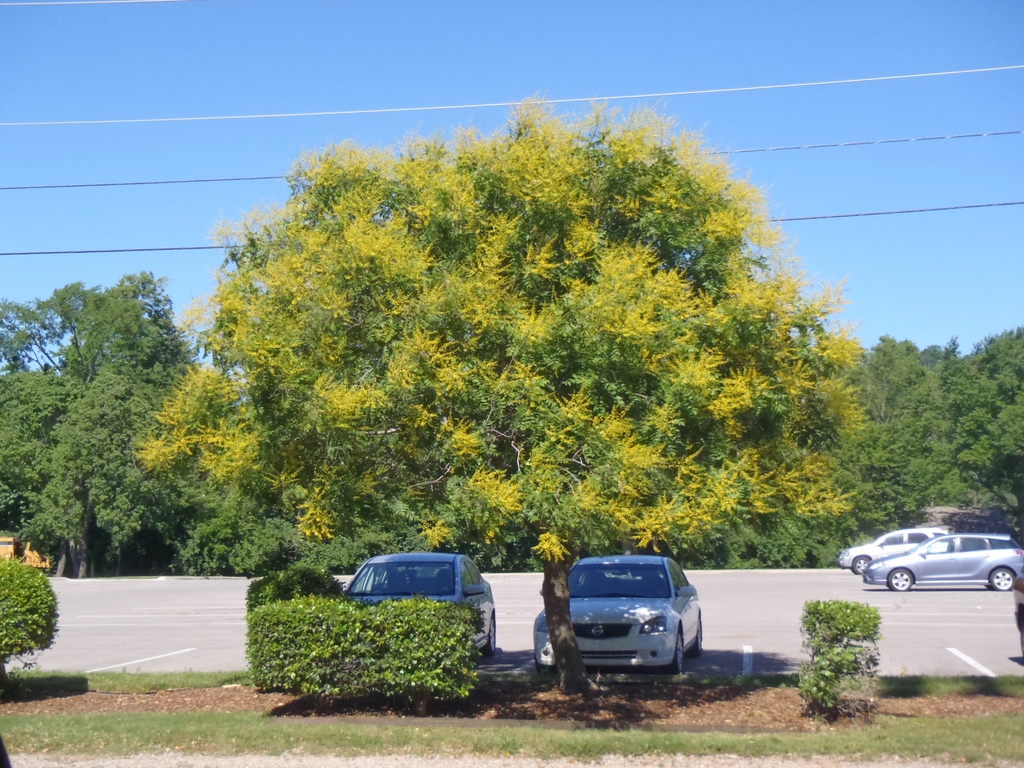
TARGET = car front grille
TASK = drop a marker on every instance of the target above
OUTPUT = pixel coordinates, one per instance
(601, 631)
(608, 655)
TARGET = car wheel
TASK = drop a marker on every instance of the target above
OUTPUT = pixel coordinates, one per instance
(859, 564)
(676, 667)
(697, 647)
(491, 643)
(543, 669)
(900, 580)
(1001, 579)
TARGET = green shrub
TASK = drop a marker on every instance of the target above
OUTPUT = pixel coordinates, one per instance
(28, 612)
(842, 640)
(294, 581)
(412, 649)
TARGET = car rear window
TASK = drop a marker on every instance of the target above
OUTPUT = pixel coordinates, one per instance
(1003, 544)
(619, 581)
(404, 579)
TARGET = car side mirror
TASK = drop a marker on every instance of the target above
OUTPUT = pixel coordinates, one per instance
(687, 591)
(473, 589)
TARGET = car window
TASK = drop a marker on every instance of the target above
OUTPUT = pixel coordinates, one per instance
(404, 579)
(892, 541)
(678, 577)
(619, 580)
(467, 575)
(917, 538)
(1003, 544)
(972, 543)
(940, 547)
(477, 578)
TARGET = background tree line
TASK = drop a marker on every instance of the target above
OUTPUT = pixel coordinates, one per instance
(526, 346)
(87, 371)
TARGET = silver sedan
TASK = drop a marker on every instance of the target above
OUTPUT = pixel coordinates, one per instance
(628, 611)
(983, 559)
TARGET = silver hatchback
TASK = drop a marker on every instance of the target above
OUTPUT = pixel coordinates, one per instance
(984, 559)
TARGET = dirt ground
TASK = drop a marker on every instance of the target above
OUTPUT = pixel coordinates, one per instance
(614, 706)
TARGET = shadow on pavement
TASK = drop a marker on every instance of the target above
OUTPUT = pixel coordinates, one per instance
(711, 662)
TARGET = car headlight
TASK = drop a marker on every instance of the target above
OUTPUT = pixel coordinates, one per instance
(651, 626)
(540, 625)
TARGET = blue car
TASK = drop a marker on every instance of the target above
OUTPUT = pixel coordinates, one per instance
(992, 560)
(437, 576)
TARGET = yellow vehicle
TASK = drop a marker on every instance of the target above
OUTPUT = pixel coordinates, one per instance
(12, 548)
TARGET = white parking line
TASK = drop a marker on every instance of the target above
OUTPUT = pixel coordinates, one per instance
(139, 661)
(967, 659)
(748, 660)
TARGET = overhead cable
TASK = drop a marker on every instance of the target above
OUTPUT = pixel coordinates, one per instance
(870, 142)
(114, 250)
(91, 185)
(894, 213)
(779, 219)
(504, 104)
(34, 3)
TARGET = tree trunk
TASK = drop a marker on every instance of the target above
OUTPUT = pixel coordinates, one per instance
(79, 558)
(571, 670)
(62, 560)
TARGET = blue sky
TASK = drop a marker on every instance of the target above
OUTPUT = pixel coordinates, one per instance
(927, 277)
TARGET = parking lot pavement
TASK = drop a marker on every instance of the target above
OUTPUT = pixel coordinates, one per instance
(149, 625)
(751, 624)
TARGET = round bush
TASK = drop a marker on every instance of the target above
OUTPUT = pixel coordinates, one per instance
(294, 581)
(28, 611)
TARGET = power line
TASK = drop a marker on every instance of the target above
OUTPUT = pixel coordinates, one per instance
(96, 2)
(869, 142)
(504, 104)
(866, 143)
(780, 219)
(113, 250)
(894, 213)
(141, 183)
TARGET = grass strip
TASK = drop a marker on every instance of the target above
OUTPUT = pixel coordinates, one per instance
(36, 684)
(996, 737)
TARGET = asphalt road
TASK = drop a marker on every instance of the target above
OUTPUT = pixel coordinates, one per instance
(751, 624)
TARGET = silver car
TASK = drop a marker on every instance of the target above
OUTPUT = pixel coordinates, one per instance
(896, 542)
(435, 575)
(629, 611)
(985, 559)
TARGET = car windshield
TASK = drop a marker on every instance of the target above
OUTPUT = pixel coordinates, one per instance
(403, 579)
(622, 580)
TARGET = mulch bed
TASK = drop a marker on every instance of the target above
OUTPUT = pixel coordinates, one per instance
(614, 706)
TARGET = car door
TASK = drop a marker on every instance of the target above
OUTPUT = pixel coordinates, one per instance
(474, 593)
(684, 600)
(935, 563)
(974, 559)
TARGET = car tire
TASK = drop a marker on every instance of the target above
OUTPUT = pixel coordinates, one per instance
(900, 580)
(1001, 579)
(491, 643)
(676, 665)
(697, 646)
(859, 564)
(543, 669)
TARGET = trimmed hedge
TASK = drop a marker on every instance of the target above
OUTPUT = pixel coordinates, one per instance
(842, 640)
(415, 649)
(28, 612)
(294, 581)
